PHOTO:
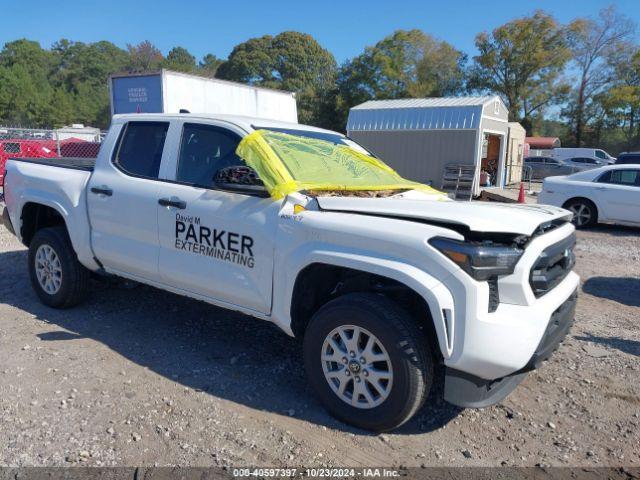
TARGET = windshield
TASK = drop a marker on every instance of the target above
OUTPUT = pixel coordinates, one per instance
(334, 138)
(288, 162)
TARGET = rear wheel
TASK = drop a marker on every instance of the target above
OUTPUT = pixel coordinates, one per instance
(368, 361)
(584, 212)
(60, 281)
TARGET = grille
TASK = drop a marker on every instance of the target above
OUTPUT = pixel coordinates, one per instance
(552, 266)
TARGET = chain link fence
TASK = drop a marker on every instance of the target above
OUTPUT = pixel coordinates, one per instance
(73, 141)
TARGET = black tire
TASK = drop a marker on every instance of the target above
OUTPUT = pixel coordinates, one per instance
(585, 213)
(74, 277)
(407, 348)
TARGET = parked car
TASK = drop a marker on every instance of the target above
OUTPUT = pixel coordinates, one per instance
(543, 167)
(585, 162)
(628, 157)
(606, 194)
(538, 168)
(594, 153)
(384, 279)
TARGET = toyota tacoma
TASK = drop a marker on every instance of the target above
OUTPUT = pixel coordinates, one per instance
(382, 278)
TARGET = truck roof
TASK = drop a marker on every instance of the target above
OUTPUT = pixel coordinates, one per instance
(248, 124)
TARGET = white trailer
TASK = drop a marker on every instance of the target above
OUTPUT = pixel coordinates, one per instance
(165, 91)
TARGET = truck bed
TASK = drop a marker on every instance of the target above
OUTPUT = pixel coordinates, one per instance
(75, 163)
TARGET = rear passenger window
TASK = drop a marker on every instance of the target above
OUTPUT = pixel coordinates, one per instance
(624, 177)
(205, 149)
(621, 177)
(140, 150)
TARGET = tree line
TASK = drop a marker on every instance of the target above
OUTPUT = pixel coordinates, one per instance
(579, 81)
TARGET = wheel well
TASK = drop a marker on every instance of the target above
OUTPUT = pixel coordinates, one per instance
(319, 283)
(36, 216)
(581, 199)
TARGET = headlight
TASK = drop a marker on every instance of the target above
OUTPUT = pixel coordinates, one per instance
(481, 262)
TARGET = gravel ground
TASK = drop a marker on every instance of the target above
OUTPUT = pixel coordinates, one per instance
(143, 377)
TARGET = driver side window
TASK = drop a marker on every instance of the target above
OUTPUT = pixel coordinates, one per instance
(206, 149)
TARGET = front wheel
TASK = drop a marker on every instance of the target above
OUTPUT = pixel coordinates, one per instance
(368, 361)
(56, 275)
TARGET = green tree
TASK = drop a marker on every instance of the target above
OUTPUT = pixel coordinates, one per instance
(28, 54)
(591, 42)
(522, 61)
(404, 64)
(144, 56)
(25, 91)
(621, 100)
(91, 63)
(289, 61)
(82, 73)
(251, 62)
(180, 60)
(209, 65)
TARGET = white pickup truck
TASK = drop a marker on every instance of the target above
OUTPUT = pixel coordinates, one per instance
(383, 279)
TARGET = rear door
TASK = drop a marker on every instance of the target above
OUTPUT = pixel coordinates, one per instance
(123, 201)
(218, 244)
(618, 195)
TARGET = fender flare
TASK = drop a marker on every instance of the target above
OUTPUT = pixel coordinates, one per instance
(438, 297)
(37, 199)
(76, 240)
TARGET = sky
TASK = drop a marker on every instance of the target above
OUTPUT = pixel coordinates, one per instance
(343, 27)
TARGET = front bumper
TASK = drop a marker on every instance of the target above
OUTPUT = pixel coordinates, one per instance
(470, 391)
(6, 221)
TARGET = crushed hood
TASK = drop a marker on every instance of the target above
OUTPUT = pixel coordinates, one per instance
(518, 219)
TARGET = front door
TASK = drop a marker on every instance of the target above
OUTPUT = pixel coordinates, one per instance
(123, 200)
(215, 243)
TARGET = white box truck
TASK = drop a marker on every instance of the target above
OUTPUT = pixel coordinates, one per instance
(165, 91)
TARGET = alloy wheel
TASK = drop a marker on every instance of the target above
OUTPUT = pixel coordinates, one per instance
(48, 269)
(581, 214)
(357, 366)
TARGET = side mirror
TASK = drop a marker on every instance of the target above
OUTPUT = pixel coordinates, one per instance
(241, 179)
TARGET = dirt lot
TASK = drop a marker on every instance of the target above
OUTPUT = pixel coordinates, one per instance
(143, 377)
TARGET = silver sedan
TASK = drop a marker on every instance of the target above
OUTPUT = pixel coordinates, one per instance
(539, 168)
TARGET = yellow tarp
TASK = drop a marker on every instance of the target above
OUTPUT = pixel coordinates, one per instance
(289, 163)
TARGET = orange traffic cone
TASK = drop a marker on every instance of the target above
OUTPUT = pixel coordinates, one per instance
(521, 194)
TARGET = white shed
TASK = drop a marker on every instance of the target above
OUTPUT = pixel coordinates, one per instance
(437, 140)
